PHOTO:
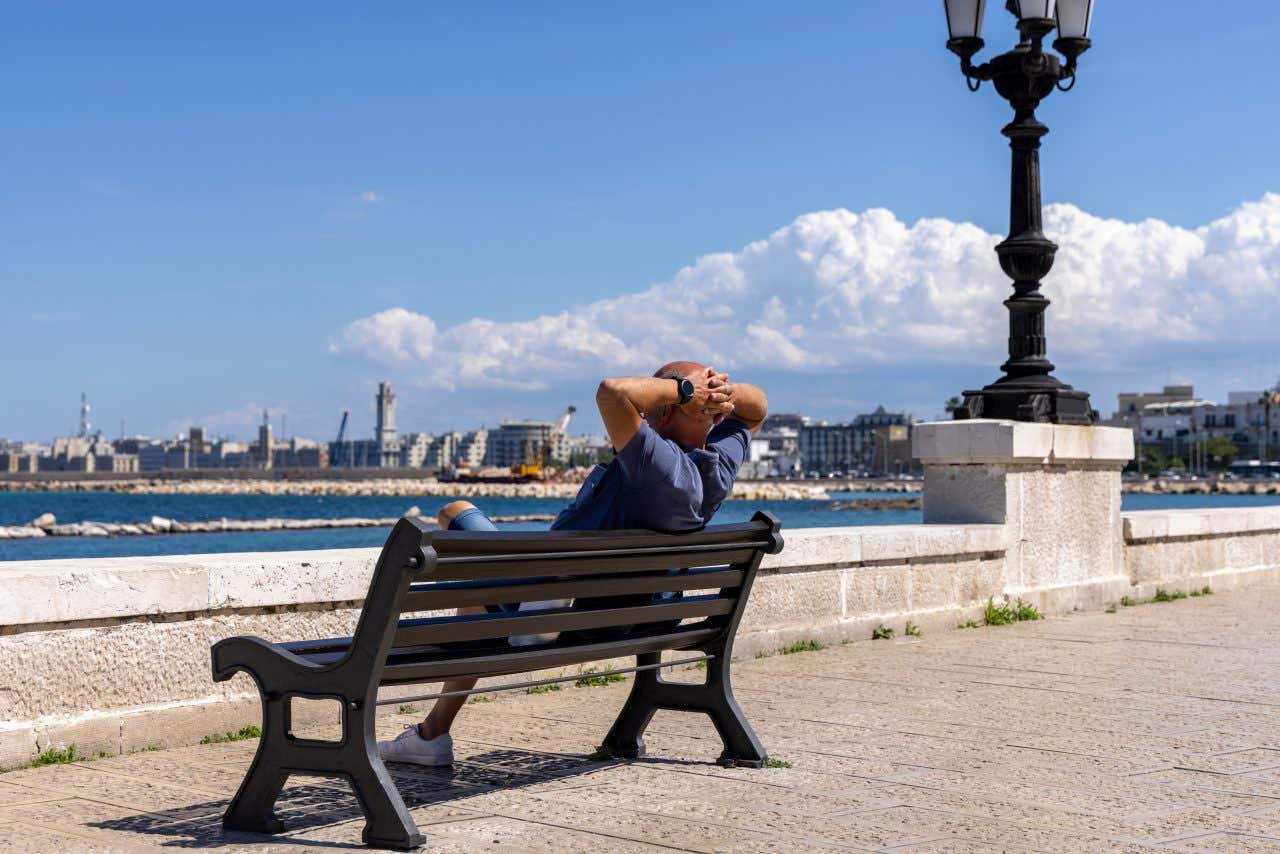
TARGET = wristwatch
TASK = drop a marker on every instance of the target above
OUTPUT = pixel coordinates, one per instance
(686, 389)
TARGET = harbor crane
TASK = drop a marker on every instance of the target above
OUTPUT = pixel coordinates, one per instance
(339, 446)
(537, 463)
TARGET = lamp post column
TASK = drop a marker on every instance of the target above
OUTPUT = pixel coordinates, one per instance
(1027, 255)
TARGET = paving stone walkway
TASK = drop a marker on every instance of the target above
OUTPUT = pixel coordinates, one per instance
(1155, 728)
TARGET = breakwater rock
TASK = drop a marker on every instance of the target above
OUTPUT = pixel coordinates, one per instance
(47, 526)
(406, 487)
(879, 504)
(1161, 486)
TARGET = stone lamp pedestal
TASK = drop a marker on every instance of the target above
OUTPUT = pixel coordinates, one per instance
(1056, 489)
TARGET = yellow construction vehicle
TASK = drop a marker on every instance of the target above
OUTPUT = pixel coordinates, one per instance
(536, 465)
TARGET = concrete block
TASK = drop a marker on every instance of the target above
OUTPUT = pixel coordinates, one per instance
(91, 735)
(289, 578)
(968, 494)
(808, 547)
(42, 592)
(933, 585)
(978, 580)
(175, 726)
(889, 542)
(17, 745)
(981, 440)
(792, 598)
(1146, 525)
(876, 590)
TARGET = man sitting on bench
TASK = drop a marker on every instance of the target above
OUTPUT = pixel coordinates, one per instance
(679, 438)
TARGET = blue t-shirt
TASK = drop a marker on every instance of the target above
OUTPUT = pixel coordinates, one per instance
(655, 484)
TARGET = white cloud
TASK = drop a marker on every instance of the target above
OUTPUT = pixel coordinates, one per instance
(369, 197)
(838, 290)
(394, 337)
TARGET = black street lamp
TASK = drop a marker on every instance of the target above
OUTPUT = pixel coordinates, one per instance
(1024, 76)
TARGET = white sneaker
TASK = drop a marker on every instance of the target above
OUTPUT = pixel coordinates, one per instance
(410, 747)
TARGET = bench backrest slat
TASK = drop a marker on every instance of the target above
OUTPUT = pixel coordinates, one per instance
(474, 627)
(587, 563)
(454, 569)
(459, 594)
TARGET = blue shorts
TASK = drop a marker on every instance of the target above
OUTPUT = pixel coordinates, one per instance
(473, 519)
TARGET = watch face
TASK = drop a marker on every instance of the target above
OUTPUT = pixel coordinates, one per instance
(686, 391)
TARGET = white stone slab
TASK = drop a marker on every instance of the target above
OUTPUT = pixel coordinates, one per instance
(991, 441)
(1208, 522)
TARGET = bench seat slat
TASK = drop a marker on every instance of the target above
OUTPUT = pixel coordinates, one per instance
(409, 668)
(431, 597)
(473, 627)
(509, 565)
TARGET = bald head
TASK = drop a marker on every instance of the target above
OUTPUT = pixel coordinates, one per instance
(675, 370)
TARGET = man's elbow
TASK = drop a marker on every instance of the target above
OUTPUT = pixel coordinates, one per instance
(606, 391)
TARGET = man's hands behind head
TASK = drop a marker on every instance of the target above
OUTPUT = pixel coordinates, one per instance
(713, 395)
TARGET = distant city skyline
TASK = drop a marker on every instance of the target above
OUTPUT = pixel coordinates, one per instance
(212, 211)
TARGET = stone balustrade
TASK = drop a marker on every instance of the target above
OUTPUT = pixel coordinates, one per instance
(113, 654)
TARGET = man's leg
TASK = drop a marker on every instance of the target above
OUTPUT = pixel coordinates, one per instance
(440, 719)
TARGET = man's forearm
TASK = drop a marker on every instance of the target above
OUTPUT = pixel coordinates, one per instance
(750, 404)
(643, 393)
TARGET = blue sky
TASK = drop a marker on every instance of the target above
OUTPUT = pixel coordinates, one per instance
(200, 198)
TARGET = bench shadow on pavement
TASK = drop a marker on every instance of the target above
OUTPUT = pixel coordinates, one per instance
(310, 803)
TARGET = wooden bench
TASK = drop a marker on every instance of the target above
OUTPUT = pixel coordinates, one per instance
(611, 576)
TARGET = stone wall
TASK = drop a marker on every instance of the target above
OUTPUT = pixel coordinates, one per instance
(113, 654)
(1186, 549)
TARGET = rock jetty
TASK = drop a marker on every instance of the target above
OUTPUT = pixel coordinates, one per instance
(782, 490)
(46, 525)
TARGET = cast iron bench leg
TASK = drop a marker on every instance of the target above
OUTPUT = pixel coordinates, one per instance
(253, 808)
(651, 692)
(387, 820)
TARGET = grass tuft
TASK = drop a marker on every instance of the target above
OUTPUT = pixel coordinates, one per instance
(1024, 611)
(760, 653)
(408, 709)
(1128, 601)
(1006, 613)
(967, 624)
(243, 734)
(590, 680)
(776, 763)
(479, 698)
(1162, 595)
(1111, 609)
(56, 756)
(542, 689)
(912, 630)
(802, 646)
(882, 632)
(1206, 590)
(997, 615)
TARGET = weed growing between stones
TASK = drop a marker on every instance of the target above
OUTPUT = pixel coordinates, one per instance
(1111, 609)
(479, 698)
(591, 681)
(408, 709)
(56, 756)
(243, 734)
(1007, 613)
(776, 763)
(912, 630)
(760, 653)
(542, 689)
(882, 632)
(802, 646)
(1127, 601)
(967, 624)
